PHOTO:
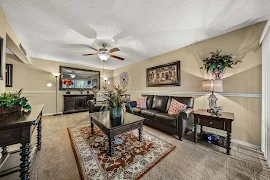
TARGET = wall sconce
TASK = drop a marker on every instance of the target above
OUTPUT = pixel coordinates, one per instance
(49, 84)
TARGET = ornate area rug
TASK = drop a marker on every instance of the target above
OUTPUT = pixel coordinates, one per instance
(131, 159)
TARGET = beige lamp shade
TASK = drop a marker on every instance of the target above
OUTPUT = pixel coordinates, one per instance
(212, 85)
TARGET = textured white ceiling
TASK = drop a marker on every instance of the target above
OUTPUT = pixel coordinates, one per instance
(139, 28)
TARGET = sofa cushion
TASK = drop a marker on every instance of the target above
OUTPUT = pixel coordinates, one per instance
(141, 102)
(160, 103)
(166, 119)
(137, 110)
(176, 107)
(149, 101)
(189, 101)
(149, 113)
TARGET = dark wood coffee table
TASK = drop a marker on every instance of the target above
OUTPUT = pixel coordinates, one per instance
(115, 127)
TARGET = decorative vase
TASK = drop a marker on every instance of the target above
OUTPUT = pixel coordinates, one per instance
(67, 91)
(218, 72)
(116, 113)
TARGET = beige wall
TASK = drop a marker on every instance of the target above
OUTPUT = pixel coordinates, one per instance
(11, 40)
(33, 78)
(3, 35)
(243, 80)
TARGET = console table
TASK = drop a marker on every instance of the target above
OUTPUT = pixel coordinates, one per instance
(18, 128)
(223, 122)
(74, 103)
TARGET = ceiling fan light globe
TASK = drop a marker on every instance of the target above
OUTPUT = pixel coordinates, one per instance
(103, 55)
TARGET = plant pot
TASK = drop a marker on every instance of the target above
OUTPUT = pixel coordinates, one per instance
(116, 113)
(67, 91)
(10, 109)
(217, 74)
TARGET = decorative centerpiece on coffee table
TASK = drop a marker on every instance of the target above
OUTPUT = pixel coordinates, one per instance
(115, 101)
(13, 102)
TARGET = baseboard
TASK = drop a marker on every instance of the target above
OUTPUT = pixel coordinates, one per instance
(50, 114)
(253, 146)
(197, 93)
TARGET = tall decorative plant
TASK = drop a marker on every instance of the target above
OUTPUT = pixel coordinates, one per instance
(218, 63)
(115, 101)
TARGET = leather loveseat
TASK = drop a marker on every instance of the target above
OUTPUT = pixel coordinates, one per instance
(157, 115)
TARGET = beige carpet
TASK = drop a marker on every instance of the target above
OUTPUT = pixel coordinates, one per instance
(188, 160)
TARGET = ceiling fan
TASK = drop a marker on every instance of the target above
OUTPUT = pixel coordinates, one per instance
(104, 53)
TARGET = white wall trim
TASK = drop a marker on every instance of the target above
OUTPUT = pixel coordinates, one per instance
(266, 27)
(165, 93)
(253, 146)
(42, 92)
(50, 114)
(197, 93)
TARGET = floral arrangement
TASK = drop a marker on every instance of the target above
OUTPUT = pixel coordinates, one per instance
(218, 63)
(14, 100)
(67, 82)
(114, 100)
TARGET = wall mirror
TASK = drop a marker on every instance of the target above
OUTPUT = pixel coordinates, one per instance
(77, 79)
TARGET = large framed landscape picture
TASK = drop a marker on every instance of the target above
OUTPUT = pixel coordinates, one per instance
(163, 75)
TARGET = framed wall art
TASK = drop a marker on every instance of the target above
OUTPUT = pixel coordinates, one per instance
(1, 56)
(163, 75)
(9, 75)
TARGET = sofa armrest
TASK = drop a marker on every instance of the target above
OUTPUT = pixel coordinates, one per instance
(130, 105)
(186, 113)
(183, 119)
(90, 101)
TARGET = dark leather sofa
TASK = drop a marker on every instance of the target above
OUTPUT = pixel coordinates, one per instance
(157, 115)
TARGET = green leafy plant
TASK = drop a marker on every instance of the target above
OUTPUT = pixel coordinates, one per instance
(114, 98)
(218, 62)
(9, 100)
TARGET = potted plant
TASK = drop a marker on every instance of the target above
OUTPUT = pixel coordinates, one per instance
(68, 83)
(12, 102)
(218, 63)
(115, 101)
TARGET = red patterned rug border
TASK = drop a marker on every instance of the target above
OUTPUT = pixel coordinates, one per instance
(78, 162)
(75, 154)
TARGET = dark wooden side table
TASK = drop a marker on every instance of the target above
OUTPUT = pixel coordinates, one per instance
(223, 122)
(18, 128)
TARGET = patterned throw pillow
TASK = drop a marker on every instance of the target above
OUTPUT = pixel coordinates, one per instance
(141, 102)
(176, 107)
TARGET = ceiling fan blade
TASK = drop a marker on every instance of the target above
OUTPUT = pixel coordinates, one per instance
(117, 57)
(92, 48)
(114, 50)
(88, 54)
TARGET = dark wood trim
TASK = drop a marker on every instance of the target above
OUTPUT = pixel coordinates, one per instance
(178, 66)
(1, 57)
(11, 75)
(74, 69)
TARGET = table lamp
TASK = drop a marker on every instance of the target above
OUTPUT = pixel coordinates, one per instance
(212, 86)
